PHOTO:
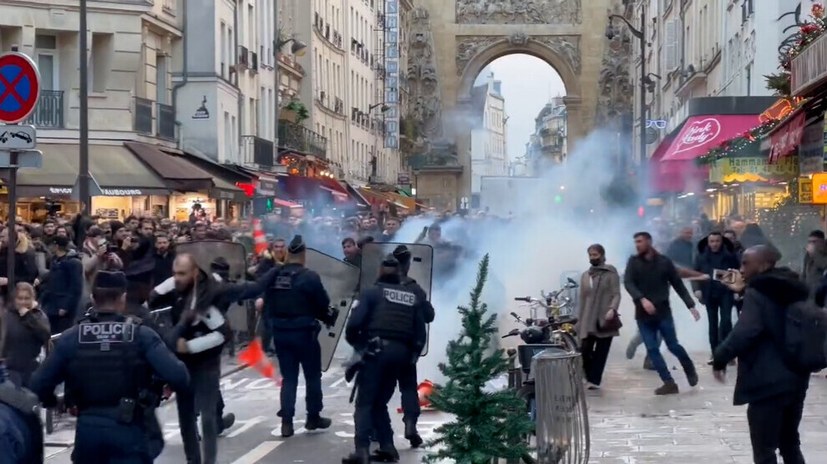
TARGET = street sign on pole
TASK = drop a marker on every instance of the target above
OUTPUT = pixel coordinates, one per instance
(19, 87)
(19, 92)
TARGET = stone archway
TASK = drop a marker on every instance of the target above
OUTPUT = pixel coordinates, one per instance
(452, 41)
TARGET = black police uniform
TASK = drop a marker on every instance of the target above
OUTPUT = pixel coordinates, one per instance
(408, 379)
(107, 362)
(21, 432)
(385, 316)
(294, 302)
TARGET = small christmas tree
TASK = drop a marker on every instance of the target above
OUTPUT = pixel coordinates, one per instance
(486, 425)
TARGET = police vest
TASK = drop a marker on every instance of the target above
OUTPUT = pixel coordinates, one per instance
(108, 364)
(284, 299)
(395, 316)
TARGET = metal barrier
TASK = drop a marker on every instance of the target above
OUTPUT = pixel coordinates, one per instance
(562, 413)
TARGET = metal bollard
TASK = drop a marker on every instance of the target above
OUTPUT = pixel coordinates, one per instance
(562, 414)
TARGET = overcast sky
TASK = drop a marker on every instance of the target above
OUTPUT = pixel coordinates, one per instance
(527, 85)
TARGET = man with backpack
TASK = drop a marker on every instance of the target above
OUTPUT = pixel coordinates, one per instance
(776, 341)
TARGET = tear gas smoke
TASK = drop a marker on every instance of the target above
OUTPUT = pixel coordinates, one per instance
(542, 241)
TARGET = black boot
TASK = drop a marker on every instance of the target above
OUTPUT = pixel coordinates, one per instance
(412, 435)
(287, 428)
(385, 453)
(360, 456)
(225, 422)
(317, 423)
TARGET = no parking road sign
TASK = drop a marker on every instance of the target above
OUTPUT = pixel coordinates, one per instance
(19, 87)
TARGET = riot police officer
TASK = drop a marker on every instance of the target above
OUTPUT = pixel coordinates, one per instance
(408, 375)
(21, 432)
(107, 362)
(294, 302)
(384, 324)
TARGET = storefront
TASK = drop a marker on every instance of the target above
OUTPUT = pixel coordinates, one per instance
(749, 184)
(120, 184)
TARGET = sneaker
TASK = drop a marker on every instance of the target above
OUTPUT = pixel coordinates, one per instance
(385, 453)
(227, 421)
(591, 386)
(692, 377)
(317, 423)
(412, 435)
(631, 350)
(668, 388)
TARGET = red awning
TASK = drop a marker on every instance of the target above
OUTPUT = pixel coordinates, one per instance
(285, 203)
(785, 139)
(703, 133)
(674, 176)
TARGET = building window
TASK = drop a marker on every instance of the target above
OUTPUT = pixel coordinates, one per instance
(227, 137)
(99, 62)
(47, 61)
(224, 57)
(161, 87)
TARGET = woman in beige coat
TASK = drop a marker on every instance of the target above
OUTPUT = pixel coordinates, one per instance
(599, 302)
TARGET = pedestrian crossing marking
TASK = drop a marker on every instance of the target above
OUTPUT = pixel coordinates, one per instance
(258, 453)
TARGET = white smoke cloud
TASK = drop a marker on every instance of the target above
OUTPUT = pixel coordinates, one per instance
(529, 253)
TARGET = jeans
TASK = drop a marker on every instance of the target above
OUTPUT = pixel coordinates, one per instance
(773, 425)
(299, 348)
(200, 399)
(595, 353)
(665, 327)
(719, 329)
(377, 382)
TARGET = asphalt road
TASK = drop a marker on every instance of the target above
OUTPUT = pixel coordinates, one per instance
(255, 436)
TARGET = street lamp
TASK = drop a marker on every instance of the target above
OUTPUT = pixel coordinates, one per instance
(639, 34)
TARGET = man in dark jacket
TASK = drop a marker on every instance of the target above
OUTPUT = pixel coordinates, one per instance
(680, 250)
(775, 394)
(64, 285)
(715, 252)
(815, 260)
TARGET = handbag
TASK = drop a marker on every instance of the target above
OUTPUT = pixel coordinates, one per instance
(611, 325)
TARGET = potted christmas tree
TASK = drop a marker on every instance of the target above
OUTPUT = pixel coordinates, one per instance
(487, 425)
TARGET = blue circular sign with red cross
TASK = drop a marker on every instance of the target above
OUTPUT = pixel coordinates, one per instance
(19, 87)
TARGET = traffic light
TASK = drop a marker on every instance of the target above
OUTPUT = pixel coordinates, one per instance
(558, 199)
(269, 205)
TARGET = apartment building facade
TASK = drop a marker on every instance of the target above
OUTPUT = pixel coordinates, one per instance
(488, 135)
(346, 85)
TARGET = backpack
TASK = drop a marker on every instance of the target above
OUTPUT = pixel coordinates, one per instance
(805, 336)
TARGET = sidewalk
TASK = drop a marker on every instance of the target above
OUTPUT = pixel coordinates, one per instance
(629, 424)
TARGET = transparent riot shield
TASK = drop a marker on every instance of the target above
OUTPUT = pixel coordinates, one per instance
(205, 251)
(341, 280)
(422, 259)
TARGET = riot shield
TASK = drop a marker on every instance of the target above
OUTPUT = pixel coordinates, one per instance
(422, 259)
(205, 251)
(340, 279)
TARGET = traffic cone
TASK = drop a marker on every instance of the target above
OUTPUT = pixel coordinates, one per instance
(259, 239)
(424, 391)
(255, 357)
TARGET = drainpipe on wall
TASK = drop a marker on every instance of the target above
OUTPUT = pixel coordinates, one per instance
(238, 79)
(185, 70)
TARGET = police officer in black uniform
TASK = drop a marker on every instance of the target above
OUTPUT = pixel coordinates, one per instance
(107, 362)
(384, 324)
(294, 302)
(408, 375)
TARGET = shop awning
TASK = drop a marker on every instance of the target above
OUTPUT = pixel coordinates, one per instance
(286, 204)
(700, 134)
(177, 172)
(361, 201)
(266, 183)
(674, 176)
(113, 168)
(224, 178)
(315, 191)
(786, 137)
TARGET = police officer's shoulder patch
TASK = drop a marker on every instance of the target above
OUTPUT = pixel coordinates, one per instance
(105, 332)
(399, 297)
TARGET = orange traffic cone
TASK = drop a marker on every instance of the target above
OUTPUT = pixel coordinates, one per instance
(259, 239)
(424, 391)
(254, 357)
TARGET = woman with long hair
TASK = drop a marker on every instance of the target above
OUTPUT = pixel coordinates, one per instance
(26, 332)
(599, 320)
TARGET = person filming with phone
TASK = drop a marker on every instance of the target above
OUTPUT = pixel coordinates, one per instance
(715, 253)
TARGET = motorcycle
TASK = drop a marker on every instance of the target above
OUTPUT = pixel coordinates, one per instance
(550, 327)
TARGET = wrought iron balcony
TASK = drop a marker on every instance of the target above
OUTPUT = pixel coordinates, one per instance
(302, 139)
(256, 150)
(143, 116)
(48, 113)
(166, 121)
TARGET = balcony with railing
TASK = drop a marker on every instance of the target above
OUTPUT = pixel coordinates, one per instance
(143, 116)
(154, 119)
(166, 121)
(299, 138)
(256, 150)
(48, 114)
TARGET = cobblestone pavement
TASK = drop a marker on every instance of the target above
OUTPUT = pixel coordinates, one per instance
(630, 425)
